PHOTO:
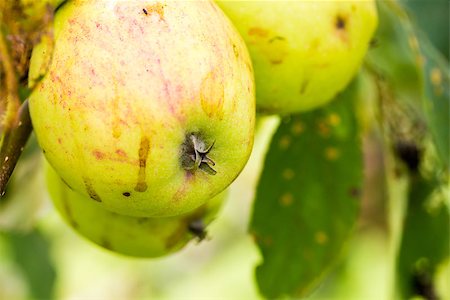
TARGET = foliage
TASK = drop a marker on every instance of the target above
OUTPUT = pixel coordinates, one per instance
(308, 197)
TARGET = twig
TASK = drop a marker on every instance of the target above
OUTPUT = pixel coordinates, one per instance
(12, 87)
(13, 144)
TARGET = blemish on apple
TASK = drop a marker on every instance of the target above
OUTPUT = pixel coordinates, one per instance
(141, 185)
(90, 190)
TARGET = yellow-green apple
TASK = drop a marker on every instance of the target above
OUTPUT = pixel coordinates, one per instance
(133, 236)
(304, 52)
(148, 106)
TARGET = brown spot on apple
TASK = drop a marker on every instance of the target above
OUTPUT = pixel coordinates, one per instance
(157, 8)
(141, 185)
(98, 154)
(121, 153)
(90, 190)
(259, 32)
(341, 24)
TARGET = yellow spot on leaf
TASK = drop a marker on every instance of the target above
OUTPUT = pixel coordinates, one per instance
(285, 142)
(420, 60)
(286, 199)
(436, 76)
(436, 80)
(297, 128)
(413, 43)
(334, 119)
(288, 174)
(331, 153)
(324, 129)
(321, 238)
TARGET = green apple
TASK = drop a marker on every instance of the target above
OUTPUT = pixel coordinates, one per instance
(134, 236)
(304, 52)
(147, 107)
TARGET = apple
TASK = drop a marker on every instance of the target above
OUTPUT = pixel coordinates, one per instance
(133, 236)
(147, 107)
(304, 52)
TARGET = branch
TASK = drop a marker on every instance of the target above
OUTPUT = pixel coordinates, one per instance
(14, 140)
(12, 87)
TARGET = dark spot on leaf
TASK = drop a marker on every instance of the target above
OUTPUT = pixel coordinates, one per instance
(422, 285)
(127, 194)
(409, 153)
(355, 192)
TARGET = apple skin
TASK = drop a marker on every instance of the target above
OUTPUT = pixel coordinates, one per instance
(304, 52)
(129, 84)
(132, 236)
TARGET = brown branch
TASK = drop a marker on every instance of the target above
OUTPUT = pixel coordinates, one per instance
(14, 141)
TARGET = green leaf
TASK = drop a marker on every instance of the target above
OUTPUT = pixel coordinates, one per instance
(425, 242)
(396, 55)
(415, 73)
(432, 17)
(31, 253)
(307, 199)
(437, 94)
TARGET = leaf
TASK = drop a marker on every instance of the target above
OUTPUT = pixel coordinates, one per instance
(425, 242)
(412, 80)
(307, 198)
(415, 73)
(396, 56)
(437, 94)
(32, 254)
(430, 16)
